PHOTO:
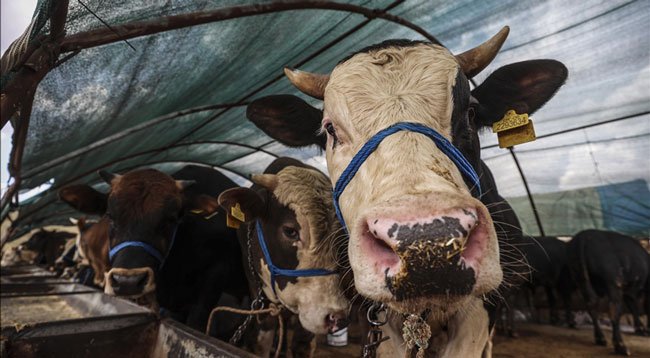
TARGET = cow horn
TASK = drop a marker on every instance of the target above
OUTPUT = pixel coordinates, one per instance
(108, 176)
(269, 181)
(312, 84)
(184, 184)
(475, 60)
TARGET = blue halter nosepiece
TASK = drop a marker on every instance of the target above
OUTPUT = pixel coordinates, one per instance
(371, 145)
(276, 271)
(145, 246)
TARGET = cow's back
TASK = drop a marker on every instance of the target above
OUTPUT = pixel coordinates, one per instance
(608, 258)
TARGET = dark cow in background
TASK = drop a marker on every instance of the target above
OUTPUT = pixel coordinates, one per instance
(408, 202)
(293, 204)
(544, 266)
(612, 265)
(550, 270)
(170, 236)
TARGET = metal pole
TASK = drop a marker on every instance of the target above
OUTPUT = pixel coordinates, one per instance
(530, 196)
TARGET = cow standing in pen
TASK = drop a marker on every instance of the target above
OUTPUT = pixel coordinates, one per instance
(612, 265)
(168, 243)
(544, 265)
(290, 221)
(400, 129)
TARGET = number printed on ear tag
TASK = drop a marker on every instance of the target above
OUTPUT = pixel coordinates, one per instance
(514, 129)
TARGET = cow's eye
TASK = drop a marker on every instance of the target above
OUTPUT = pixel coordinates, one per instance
(471, 112)
(329, 127)
(290, 233)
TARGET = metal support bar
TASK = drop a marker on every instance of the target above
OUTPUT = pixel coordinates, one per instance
(530, 196)
(102, 36)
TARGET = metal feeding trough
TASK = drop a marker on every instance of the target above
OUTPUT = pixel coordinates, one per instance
(45, 316)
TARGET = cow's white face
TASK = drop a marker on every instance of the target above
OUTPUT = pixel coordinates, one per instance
(418, 239)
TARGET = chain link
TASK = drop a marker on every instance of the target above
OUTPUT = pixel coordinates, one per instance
(258, 301)
(375, 335)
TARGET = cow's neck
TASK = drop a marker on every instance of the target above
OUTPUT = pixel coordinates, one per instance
(463, 334)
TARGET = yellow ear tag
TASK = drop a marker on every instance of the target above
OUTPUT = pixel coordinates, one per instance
(236, 213)
(196, 211)
(514, 129)
(232, 222)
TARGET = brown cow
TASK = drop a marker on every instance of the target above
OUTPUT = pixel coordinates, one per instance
(422, 239)
(92, 247)
(168, 241)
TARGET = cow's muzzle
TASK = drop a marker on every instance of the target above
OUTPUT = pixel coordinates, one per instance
(429, 254)
(130, 283)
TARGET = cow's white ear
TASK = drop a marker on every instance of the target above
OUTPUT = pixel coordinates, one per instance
(269, 181)
(73, 221)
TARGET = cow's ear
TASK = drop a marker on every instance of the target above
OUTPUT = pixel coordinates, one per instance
(523, 86)
(251, 204)
(287, 119)
(84, 198)
(206, 205)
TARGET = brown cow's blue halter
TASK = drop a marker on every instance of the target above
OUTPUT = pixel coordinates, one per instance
(441, 142)
(145, 246)
(276, 271)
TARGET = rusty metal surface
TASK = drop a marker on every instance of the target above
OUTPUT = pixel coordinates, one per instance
(177, 340)
(42, 288)
(43, 316)
(24, 270)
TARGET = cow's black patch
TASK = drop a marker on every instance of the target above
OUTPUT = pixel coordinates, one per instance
(430, 266)
(385, 44)
(428, 272)
(444, 228)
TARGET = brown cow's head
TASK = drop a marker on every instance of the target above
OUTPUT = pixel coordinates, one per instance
(294, 208)
(417, 236)
(142, 206)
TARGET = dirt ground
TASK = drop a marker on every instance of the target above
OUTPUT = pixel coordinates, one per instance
(551, 341)
(534, 341)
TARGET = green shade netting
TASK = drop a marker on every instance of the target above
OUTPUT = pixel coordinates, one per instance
(175, 85)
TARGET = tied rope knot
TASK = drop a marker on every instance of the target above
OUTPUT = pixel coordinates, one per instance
(275, 310)
(416, 332)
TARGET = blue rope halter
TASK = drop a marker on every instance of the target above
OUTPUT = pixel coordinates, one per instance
(276, 271)
(441, 142)
(145, 246)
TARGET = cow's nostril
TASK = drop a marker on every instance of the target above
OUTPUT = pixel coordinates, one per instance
(383, 254)
(129, 284)
(335, 321)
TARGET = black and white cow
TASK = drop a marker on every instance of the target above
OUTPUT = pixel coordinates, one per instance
(422, 237)
(289, 210)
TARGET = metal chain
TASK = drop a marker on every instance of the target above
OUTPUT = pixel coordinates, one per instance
(258, 301)
(375, 334)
